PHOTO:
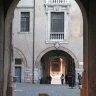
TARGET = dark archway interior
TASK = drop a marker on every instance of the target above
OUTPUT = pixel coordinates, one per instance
(51, 64)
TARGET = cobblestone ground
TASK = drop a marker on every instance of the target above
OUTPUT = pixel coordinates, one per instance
(25, 89)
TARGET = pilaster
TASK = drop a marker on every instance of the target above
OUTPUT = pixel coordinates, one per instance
(1, 48)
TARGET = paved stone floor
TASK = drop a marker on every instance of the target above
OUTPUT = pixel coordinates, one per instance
(26, 89)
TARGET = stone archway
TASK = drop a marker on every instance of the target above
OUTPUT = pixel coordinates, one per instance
(8, 36)
(18, 55)
(60, 48)
(21, 54)
(49, 62)
(8, 49)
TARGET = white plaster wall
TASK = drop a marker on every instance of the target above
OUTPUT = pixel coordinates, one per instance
(75, 30)
(25, 3)
(24, 41)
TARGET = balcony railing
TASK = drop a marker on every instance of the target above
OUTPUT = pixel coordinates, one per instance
(57, 1)
(57, 36)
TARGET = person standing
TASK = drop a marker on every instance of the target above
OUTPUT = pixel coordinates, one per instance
(49, 78)
(62, 79)
(66, 79)
(79, 80)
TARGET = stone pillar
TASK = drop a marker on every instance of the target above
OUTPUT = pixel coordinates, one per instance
(8, 57)
(92, 49)
(9, 85)
(89, 84)
(1, 47)
(83, 91)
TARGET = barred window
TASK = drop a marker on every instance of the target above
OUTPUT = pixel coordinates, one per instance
(18, 61)
(57, 26)
(57, 21)
(25, 21)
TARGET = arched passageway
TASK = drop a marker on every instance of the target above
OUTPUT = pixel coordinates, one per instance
(89, 50)
(55, 63)
(6, 44)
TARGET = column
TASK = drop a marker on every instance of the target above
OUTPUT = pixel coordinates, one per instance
(1, 47)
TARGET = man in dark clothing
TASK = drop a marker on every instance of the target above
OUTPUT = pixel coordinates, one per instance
(50, 78)
(66, 79)
(79, 80)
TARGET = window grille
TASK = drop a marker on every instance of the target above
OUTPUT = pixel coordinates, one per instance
(25, 21)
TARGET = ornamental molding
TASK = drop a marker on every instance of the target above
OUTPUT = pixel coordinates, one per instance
(56, 7)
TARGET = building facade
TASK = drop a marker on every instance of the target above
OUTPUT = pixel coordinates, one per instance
(47, 39)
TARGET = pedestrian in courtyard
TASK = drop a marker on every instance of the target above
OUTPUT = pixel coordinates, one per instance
(48, 79)
(42, 80)
(66, 79)
(62, 79)
(79, 80)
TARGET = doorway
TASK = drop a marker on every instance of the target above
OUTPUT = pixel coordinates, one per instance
(18, 74)
(55, 63)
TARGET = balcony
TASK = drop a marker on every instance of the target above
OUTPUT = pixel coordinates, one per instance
(57, 1)
(58, 37)
(55, 5)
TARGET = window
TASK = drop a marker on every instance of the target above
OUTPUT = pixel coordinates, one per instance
(25, 21)
(57, 26)
(18, 61)
(57, 22)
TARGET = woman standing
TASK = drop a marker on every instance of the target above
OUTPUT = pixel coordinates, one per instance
(62, 79)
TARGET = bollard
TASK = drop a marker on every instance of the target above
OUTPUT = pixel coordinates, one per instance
(43, 94)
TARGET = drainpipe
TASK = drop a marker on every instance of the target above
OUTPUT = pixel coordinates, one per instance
(33, 42)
